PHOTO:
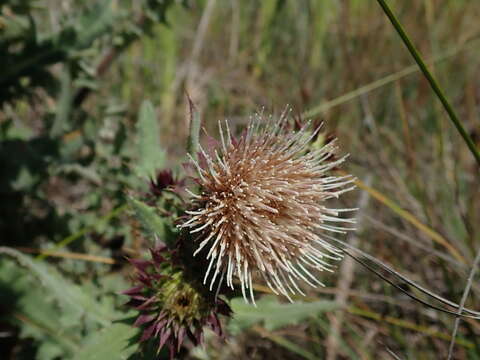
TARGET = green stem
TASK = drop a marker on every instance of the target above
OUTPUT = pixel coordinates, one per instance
(433, 83)
(194, 131)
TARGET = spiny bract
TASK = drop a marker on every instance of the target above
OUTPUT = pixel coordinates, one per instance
(172, 308)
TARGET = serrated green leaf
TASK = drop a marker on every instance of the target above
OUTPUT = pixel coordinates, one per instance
(95, 22)
(113, 342)
(49, 351)
(273, 314)
(35, 313)
(152, 224)
(68, 295)
(151, 156)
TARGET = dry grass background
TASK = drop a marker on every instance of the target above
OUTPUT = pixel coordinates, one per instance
(234, 57)
(340, 62)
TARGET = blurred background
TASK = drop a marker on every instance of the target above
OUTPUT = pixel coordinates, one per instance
(73, 75)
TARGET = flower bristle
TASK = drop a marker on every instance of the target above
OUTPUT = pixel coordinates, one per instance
(260, 208)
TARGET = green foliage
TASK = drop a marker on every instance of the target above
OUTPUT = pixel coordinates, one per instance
(150, 155)
(51, 62)
(272, 314)
(28, 68)
(62, 63)
(113, 342)
(37, 315)
(70, 297)
(61, 316)
(153, 225)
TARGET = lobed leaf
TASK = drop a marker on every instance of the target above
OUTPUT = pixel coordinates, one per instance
(274, 314)
(150, 155)
(113, 342)
(153, 224)
(68, 295)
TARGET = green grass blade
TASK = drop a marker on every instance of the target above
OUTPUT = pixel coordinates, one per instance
(433, 83)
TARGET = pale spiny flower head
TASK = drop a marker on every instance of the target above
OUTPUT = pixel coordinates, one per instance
(262, 207)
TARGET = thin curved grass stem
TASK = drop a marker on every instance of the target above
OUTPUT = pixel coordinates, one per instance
(461, 306)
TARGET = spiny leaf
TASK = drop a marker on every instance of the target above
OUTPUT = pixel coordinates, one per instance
(273, 314)
(113, 342)
(94, 23)
(35, 313)
(151, 156)
(153, 224)
(67, 294)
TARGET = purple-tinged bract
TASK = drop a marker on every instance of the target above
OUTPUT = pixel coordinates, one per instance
(172, 307)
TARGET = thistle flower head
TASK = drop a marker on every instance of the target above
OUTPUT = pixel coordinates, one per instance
(172, 307)
(261, 207)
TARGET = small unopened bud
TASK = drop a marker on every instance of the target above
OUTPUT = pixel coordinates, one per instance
(172, 307)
